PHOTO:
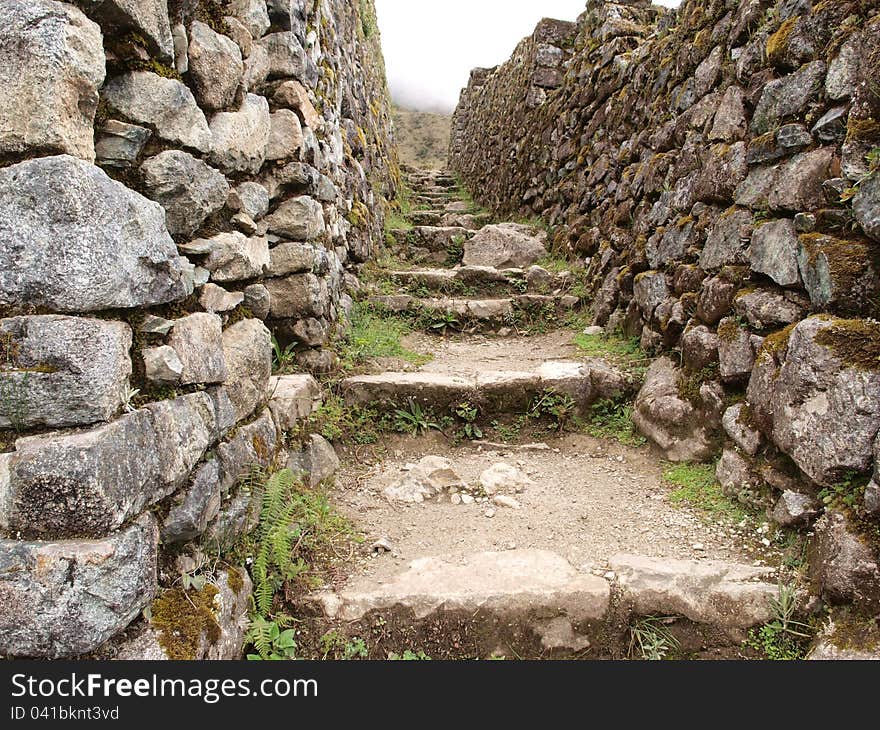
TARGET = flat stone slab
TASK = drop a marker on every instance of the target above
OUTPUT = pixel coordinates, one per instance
(488, 310)
(725, 595)
(495, 390)
(534, 587)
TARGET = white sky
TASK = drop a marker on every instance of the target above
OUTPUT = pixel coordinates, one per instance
(431, 47)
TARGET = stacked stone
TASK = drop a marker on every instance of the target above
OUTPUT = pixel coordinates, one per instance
(169, 191)
(719, 166)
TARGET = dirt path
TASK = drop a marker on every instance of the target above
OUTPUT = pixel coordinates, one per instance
(591, 499)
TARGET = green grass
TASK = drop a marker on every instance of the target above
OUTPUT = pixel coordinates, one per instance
(397, 221)
(373, 334)
(697, 487)
(620, 351)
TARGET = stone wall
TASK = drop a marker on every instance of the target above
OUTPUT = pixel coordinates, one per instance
(717, 166)
(179, 181)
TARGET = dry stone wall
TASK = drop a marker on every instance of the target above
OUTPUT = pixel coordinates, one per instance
(179, 182)
(718, 167)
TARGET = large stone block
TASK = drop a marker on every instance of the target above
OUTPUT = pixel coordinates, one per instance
(51, 67)
(165, 104)
(247, 347)
(197, 339)
(300, 218)
(240, 139)
(62, 599)
(186, 187)
(73, 240)
(816, 391)
(148, 18)
(90, 482)
(215, 66)
(298, 296)
(62, 371)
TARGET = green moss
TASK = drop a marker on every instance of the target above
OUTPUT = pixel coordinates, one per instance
(183, 619)
(689, 385)
(854, 341)
(867, 129)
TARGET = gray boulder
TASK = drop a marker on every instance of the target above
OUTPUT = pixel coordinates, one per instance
(119, 144)
(738, 427)
(62, 371)
(288, 59)
(253, 446)
(73, 240)
(844, 567)
(252, 14)
(300, 218)
(316, 462)
(794, 508)
(249, 198)
(186, 187)
(866, 206)
(147, 18)
(650, 288)
(91, 482)
(232, 256)
(63, 599)
(51, 67)
(788, 96)
(816, 392)
(736, 355)
(504, 246)
(198, 341)
(838, 272)
(285, 135)
(728, 240)
(247, 348)
(774, 252)
(683, 431)
(215, 67)
(240, 138)
(298, 296)
(294, 398)
(165, 104)
(292, 258)
(195, 506)
(258, 300)
(767, 309)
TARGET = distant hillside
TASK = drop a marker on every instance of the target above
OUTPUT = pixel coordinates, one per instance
(422, 137)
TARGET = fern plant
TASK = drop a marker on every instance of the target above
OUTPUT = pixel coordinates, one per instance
(277, 531)
(271, 639)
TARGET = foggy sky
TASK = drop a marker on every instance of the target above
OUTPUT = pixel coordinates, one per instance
(431, 46)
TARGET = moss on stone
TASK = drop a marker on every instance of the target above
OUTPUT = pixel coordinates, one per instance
(183, 619)
(729, 330)
(862, 129)
(777, 44)
(856, 342)
(234, 580)
(776, 344)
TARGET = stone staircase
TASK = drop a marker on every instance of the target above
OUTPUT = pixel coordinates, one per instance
(518, 601)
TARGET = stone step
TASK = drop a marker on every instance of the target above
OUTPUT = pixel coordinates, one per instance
(475, 313)
(492, 391)
(431, 238)
(442, 218)
(531, 603)
(485, 279)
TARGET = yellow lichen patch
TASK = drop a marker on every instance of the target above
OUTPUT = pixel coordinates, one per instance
(184, 620)
(777, 44)
(856, 342)
(776, 344)
(729, 330)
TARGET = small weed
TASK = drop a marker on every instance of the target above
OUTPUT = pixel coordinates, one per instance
(783, 638)
(336, 421)
(469, 414)
(613, 419)
(415, 420)
(697, 487)
(560, 408)
(848, 494)
(455, 251)
(409, 656)
(510, 432)
(282, 357)
(651, 640)
(337, 646)
(444, 321)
